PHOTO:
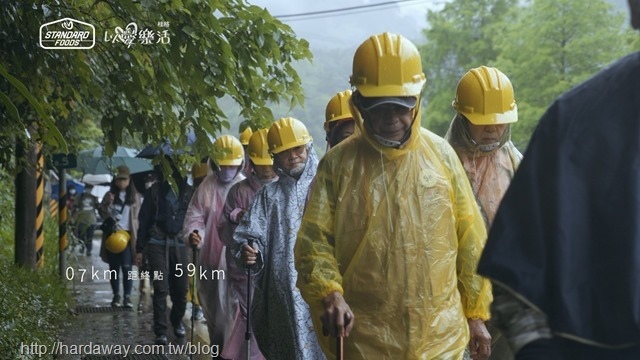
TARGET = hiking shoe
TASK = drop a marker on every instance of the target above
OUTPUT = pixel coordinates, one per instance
(116, 301)
(161, 340)
(197, 313)
(127, 302)
(179, 331)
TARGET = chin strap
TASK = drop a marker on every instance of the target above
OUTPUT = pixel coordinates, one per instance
(487, 147)
(388, 143)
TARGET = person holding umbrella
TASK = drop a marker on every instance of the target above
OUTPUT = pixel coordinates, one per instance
(160, 239)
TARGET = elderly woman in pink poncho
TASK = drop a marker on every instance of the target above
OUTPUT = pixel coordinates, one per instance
(480, 133)
(238, 201)
(203, 215)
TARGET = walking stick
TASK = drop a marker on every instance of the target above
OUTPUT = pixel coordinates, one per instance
(339, 348)
(247, 334)
(194, 249)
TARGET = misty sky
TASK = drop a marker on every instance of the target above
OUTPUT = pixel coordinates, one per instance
(349, 28)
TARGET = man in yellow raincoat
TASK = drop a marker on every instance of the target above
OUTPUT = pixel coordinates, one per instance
(388, 246)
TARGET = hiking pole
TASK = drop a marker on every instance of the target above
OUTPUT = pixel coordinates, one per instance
(247, 334)
(194, 249)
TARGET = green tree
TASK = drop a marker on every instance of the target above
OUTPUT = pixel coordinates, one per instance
(158, 91)
(459, 38)
(550, 46)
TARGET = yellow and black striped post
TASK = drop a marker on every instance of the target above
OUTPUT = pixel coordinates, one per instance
(53, 207)
(39, 207)
(62, 220)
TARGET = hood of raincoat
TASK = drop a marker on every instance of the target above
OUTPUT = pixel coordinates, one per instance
(459, 136)
(312, 160)
(566, 236)
(389, 152)
(489, 173)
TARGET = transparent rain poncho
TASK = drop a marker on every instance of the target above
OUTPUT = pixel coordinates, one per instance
(281, 318)
(398, 232)
(203, 215)
(489, 172)
(239, 197)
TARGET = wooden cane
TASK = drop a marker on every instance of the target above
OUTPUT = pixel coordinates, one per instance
(339, 348)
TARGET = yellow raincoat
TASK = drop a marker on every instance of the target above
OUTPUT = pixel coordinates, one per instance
(398, 232)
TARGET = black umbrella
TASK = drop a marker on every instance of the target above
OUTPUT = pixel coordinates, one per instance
(165, 148)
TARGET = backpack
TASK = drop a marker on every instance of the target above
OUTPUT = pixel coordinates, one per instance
(170, 210)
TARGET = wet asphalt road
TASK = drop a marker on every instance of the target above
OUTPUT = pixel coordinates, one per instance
(94, 324)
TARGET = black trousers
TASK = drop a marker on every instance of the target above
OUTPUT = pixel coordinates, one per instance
(163, 260)
(564, 349)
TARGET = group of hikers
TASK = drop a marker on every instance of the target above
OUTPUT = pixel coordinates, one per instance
(384, 241)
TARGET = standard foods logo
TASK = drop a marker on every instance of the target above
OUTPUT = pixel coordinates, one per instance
(67, 33)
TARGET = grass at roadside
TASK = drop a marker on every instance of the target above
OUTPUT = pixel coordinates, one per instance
(33, 304)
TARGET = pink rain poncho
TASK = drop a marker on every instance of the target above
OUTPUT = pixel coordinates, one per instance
(490, 175)
(203, 215)
(239, 198)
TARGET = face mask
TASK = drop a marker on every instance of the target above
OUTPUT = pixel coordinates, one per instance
(487, 147)
(226, 175)
(266, 181)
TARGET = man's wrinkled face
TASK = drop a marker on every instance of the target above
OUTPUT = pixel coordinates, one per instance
(291, 160)
(390, 121)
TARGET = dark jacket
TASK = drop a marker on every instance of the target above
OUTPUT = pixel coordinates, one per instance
(566, 237)
(162, 212)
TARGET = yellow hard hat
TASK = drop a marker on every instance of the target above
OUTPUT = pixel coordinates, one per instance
(338, 108)
(246, 135)
(485, 97)
(287, 133)
(258, 148)
(228, 151)
(387, 65)
(118, 241)
(199, 170)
